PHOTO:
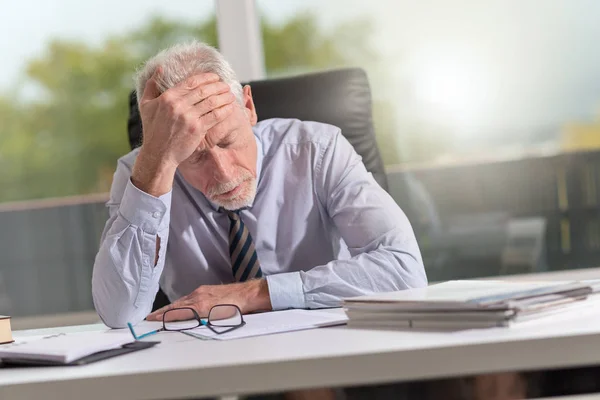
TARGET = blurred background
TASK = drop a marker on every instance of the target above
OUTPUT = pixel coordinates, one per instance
(487, 116)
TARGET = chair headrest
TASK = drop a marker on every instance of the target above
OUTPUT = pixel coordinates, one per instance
(338, 97)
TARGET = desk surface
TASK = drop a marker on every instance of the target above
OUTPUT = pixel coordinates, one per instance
(182, 366)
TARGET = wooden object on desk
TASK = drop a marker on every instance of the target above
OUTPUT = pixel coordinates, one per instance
(5, 331)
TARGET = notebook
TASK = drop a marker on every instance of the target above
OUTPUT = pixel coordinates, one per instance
(65, 349)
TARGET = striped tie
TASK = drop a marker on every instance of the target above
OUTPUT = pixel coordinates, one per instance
(244, 262)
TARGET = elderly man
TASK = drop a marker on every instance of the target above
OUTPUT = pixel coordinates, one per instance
(220, 209)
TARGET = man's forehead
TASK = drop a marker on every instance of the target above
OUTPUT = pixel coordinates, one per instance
(212, 138)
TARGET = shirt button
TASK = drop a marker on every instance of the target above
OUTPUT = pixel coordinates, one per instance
(156, 214)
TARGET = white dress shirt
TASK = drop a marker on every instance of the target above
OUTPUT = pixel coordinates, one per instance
(323, 229)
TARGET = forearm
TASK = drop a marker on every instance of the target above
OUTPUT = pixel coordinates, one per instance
(128, 267)
(152, 174)
(250, 296)
(125, 279)
(381, 270)
(385, 269)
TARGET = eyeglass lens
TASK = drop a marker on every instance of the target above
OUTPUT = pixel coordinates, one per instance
(179, 319)
(225, 316)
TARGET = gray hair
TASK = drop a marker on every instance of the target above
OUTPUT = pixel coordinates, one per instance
(181, 61)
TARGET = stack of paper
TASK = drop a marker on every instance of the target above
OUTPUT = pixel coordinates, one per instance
(469, 304)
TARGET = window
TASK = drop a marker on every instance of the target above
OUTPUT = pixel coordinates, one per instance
(487, 116)
(66, 74)
(454, 80)
(480, 109)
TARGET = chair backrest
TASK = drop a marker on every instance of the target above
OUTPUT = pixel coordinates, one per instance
(338, 97)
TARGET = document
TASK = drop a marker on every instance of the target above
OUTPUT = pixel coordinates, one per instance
(64, 348)
(276, 322)
(459, 305)
(472, 295)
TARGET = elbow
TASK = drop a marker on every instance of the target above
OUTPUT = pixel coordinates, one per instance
(117, 322)
(416, 275)
(114, 318)
(417, 271)
(410, 270)
(115, 315)
(115, 305)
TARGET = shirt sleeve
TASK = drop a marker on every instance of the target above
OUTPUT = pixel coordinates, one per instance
(125, 278)
(384, 252)
(285, 291)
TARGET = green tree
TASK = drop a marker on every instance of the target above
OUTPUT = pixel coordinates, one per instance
(298, 46)
(66, 140)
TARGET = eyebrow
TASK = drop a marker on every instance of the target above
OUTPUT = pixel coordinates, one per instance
(205, 148)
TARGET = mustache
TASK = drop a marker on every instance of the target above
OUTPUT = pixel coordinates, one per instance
(222, 188)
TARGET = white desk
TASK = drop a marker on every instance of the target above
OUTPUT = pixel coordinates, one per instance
(566, 275)
(182, 366)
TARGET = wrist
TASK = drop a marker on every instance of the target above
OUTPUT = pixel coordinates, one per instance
(257, 295)
(152, 174)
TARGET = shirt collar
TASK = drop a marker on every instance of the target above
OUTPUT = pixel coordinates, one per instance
(259, 161)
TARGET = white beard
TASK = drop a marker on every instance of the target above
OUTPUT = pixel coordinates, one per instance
(240, 200)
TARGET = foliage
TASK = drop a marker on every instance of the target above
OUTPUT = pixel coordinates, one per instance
(64, 137)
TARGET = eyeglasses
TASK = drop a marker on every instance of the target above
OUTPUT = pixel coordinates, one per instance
(221, 319)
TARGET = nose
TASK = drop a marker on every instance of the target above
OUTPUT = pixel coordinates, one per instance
(222, 167)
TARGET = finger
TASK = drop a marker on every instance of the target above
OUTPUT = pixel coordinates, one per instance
(197, 80)
(172, 309)
(151, 90)
(222, 129)
(157, 315)
(179, 315)
(213, 102)
(217, 115)
(154, 314)
(203, 92)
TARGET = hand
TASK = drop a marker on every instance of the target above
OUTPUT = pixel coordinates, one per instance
(174, 124)
(249, 296)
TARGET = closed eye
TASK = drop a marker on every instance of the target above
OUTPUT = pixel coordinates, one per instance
(198, 157)
(227, 140)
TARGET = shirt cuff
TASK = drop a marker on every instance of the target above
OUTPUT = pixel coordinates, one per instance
(140, 209)
(286, 291)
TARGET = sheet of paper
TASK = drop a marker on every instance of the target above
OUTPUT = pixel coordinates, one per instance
(277, 322)
(63, 347)
(460, 292)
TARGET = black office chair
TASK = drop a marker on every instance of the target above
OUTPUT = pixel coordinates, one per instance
(339, 97)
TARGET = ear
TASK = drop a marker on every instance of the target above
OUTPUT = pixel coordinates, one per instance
(249, 105)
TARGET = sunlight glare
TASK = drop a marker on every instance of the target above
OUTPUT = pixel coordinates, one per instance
(452, 89)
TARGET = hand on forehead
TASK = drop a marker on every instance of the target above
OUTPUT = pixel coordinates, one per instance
(220, 133)
(196, 80)
(217, 133)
